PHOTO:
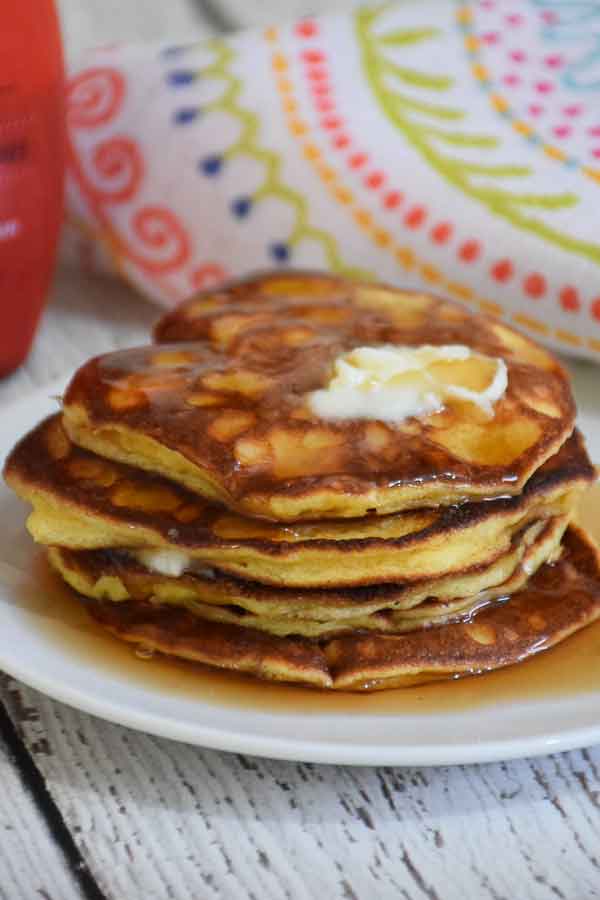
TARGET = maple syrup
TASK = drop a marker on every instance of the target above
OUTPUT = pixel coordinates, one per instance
(571, 668)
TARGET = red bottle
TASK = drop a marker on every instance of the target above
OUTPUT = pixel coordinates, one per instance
(31, 168)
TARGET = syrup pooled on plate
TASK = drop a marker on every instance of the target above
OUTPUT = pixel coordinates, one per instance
(569, 669)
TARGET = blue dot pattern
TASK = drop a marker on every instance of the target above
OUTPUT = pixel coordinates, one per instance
(241, 206)
(280, 252)
(185, 114)
(180, 77)
(211, 165)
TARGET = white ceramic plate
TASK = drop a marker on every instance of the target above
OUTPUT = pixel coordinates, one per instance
(353, 733)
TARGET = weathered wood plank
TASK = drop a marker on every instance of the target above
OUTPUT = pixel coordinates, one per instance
(32, 863)
(154, 818)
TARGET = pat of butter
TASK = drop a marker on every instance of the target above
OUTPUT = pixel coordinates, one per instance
(392, 383)
(172, 563)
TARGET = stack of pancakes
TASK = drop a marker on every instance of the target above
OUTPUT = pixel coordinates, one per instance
(189, 490)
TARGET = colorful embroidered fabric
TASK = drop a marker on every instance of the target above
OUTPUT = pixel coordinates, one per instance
(449, 146)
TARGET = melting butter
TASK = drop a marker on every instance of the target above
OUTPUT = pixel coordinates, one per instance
(171, 562)
(391, 383)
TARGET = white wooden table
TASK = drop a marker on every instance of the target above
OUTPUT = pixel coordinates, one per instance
(90, 809)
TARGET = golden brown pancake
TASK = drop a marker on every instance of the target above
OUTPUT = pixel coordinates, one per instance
(84, 502)
(192, 494)
(559, 599)
(114, 576)
(228, 417)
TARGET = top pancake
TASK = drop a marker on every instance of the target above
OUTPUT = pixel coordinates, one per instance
(227, 415)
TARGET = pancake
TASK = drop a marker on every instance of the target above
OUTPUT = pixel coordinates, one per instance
(102, 575)
(81, 501)
(105, 575)
(228, 416)
(558, 600)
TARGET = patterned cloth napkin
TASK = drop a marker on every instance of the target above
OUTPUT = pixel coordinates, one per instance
(450, 147)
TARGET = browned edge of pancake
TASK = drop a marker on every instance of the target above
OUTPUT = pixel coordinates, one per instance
(432, 597)
(559, 600)
(31, 466)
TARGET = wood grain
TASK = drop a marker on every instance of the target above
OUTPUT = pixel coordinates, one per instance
(26, 841)
(157, 819)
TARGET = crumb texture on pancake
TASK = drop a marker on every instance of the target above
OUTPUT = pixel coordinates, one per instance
(228, 417)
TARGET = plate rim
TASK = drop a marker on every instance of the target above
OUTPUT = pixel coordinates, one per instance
(320, 752)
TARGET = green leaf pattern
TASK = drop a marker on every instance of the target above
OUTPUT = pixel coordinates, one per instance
(425, 125)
